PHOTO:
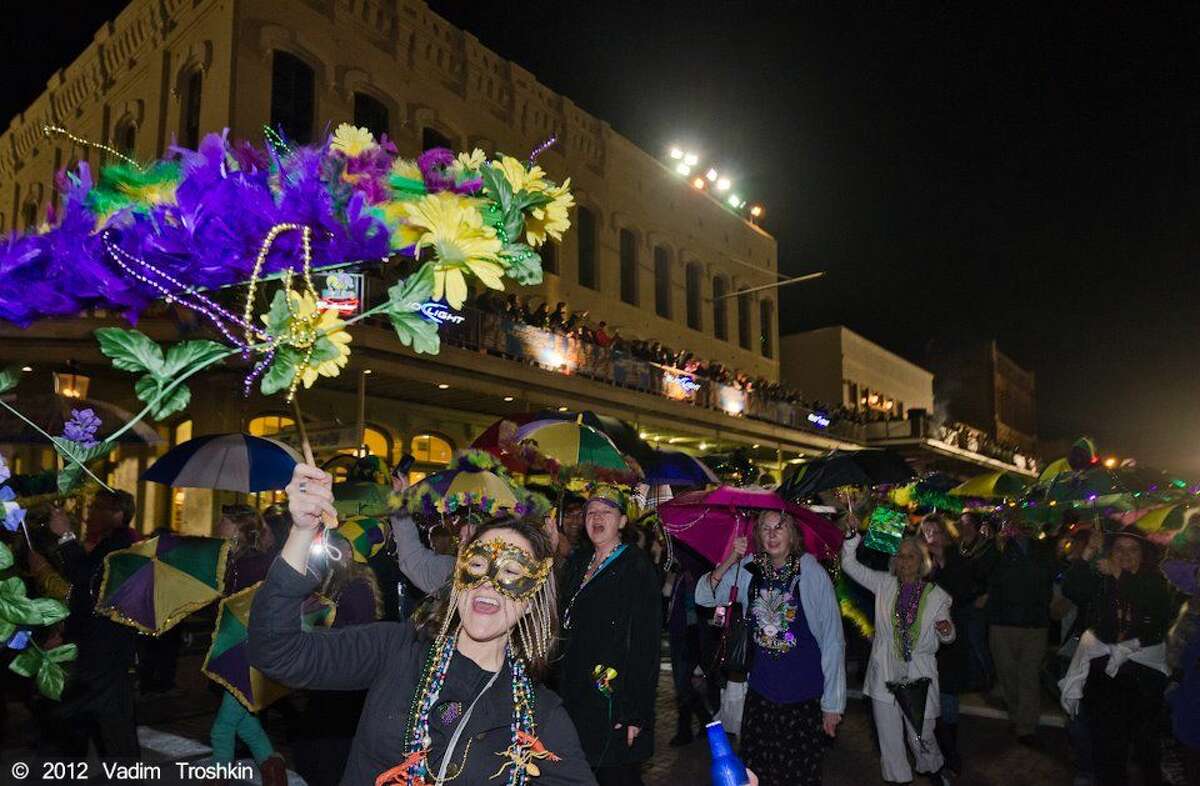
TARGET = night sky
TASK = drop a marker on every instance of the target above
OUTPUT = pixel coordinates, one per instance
(961, 174)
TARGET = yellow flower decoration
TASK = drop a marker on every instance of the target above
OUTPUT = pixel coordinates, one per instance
(550, 219)
(352, 141)
(407, 168)
(532, 180)
(307, 325)
(452, 226)
(468, 162)
(334, 330)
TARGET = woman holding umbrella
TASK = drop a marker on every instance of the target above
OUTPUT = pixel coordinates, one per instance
(611, 623)
(912, 618)
(797, 680)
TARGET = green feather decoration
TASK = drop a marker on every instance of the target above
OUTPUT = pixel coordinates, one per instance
(123, 186)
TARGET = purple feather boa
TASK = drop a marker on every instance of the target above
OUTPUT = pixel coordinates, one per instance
(228, 198)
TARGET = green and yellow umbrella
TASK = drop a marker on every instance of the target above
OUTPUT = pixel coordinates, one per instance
(993, 485)
(1164, 523)
(228, 663)
(476, 481)
(1053, 469)
(572, 449)
(154, 584)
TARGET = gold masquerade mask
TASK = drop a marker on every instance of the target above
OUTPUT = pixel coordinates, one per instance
(512, 571)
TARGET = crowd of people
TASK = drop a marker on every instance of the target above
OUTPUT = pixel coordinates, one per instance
(530, 649)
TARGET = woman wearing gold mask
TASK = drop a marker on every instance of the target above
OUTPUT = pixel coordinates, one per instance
(457, 703)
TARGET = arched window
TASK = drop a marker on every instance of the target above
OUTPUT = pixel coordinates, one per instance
(268, 425)
(629, 267)
(744, 304)
(662, 282)
(431, 449)
(371, 114)
(29, 215)
(585, 221)
(767, 315)
(695, 274)
(720, 310)
(125, 137)
(378, 443)
(189, 114)
(293, 97)
(431, 138)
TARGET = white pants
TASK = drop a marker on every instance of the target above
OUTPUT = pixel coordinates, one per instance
(893, 731)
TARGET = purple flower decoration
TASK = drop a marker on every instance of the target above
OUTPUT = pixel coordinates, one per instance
(82, 427)
(13, 513)
(19, 640)
(434, 164)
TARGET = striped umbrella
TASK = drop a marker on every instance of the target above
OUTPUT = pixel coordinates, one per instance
(154, 584)
(234, 462)
(570, 448)
(227, 662)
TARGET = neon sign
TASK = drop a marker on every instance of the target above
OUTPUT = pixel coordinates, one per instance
(819, 420)
(439, 314)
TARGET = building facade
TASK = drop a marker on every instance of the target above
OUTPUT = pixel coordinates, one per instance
(980, 386)
(837, 366)
(646, 253)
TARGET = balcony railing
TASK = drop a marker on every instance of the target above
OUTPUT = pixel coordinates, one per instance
(570, 355)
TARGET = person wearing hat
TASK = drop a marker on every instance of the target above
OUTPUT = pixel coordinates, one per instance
(1119, 671)
(610, 627)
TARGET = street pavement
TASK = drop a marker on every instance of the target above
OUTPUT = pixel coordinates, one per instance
(175, 727)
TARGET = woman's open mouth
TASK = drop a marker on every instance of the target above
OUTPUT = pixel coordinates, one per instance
(485, 605)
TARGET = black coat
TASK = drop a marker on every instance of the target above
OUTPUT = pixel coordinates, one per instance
(1021, 584)
(957, 577)
(616, 621)
(387, 659)
(1146, 595)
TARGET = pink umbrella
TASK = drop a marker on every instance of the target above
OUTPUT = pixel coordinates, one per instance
(708, 521)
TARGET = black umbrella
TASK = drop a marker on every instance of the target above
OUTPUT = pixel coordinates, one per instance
(910, 698)
(871, 467)
(51, 411)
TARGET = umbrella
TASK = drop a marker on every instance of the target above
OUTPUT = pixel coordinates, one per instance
(910, 698)
(154, 584)
(991, 485)
(708, 521)
(1054, 468)
(564, 447)
(1162, 524)
(51, 412)
(869, 467)
(234, 462)
(497, 440)
(676, 468)
(227, 661)
(622, 434)
(1100, 486)
(475, 481)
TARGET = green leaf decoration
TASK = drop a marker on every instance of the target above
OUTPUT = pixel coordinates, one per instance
(72, 471)
(28, 662)
(14, 606)
(46, 611)
(50, 680)
(189, 354)
(323, 350)
(9, 377)
(497, 187)
(131, 350)
(278, 315)
(6, 557)
(524, 200)
(524, 264)
(7, 629)
(64, 653)
(148, 389)
(283, 369)
(403, 309)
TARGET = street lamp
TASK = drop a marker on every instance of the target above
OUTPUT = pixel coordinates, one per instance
(71, 384)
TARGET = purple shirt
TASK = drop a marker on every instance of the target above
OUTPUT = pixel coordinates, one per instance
(793, 676)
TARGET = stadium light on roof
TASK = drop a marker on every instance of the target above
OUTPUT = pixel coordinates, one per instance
(683, 169)
(723, 184)
(691, 159)
(698, 183)
(676, 153)
(712, 175)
